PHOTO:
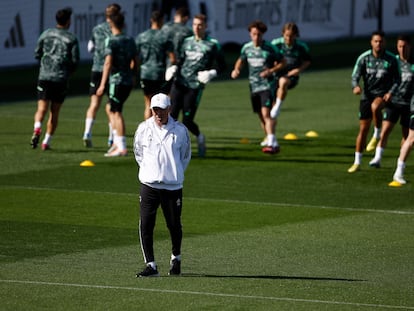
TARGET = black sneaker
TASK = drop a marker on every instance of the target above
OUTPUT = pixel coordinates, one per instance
(148, 272)
(175, 267)
(35, 140)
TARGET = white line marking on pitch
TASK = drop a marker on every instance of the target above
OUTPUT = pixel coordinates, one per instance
(278, 204)
(196, 293)
(308, 206)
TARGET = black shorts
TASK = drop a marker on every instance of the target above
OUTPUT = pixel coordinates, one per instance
(393, 112)
(95, 81)
(118, 94)
(294, 80)
(365, 111)
(50, 90)
(412, 113)
(152, 87)
(261, 99)
(411, 125)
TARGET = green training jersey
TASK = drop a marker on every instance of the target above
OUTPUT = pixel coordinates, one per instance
(406, 89)
(380, 75)
(199, 55)
(294, 55)
(152, 48)
(99, 34)
(176, 33)
(258, 59)
(123, 50)
(57, 50)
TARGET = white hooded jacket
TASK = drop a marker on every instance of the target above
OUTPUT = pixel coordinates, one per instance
(162, 154)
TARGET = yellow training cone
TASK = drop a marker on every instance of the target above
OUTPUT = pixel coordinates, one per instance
(244, 140)
(290, 136)
(311, 134)
(394, 184)
(87, 163)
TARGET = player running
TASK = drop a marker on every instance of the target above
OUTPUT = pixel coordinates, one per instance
(57, 50)
(263, 61)
(153, 49)
(380, 72)
(197, 59)
(399, 107)
(298, 59)
(96, 45)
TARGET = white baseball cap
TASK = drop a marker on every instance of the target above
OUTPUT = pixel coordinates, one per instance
(160, 100)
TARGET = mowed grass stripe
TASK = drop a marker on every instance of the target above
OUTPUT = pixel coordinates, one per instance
(289, 226)
(277, 204)
(199, 293)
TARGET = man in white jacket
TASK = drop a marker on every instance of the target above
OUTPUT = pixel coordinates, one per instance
(162, 150)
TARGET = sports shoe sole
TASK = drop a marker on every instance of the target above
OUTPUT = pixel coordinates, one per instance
(35, 141)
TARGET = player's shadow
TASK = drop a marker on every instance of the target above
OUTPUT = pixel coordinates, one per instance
(271, 277)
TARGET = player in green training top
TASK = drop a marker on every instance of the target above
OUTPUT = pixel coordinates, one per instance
(263, 60)
(57, 50)
(380, 72)
(96, 45)
(399, 107)
(153, 49)
(176, 31)
(120, 69)
(298, 59)
(200, 60)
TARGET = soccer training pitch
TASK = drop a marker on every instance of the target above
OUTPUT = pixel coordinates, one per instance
(292, 231)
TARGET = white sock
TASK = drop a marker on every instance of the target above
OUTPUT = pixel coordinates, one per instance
(37, 125)
(111, 132)
(378, 153)
(271, 140)
(276, 108)
(114, 134)
(47, 139)
(377, 132)
(400, 168)
(122, 143)
(358, 158)
(88, 125)
(278, 103)
(117, 141)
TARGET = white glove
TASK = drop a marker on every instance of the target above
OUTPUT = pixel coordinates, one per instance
(91, 46)
(170, 72)
(206, 75)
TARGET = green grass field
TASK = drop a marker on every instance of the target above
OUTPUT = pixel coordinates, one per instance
(293, 231)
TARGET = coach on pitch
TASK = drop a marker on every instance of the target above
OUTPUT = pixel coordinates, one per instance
(162, 150)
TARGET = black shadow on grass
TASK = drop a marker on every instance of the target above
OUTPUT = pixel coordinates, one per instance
(271, 277)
